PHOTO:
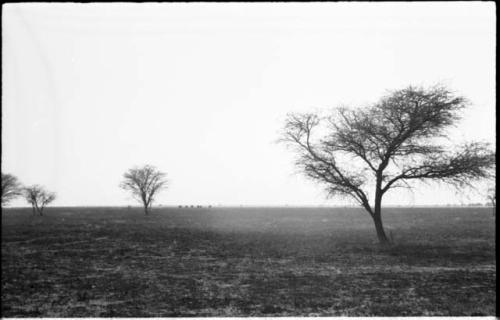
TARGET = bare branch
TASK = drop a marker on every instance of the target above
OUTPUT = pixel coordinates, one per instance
(473, 161)
(320, 165)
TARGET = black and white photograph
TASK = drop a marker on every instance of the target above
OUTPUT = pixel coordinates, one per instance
(239, 159)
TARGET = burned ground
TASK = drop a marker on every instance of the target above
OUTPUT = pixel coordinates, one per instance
(117, 262)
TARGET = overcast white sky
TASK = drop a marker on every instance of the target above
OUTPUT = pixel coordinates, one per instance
(201, 90)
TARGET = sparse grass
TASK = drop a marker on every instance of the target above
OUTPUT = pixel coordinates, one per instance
(112, 262)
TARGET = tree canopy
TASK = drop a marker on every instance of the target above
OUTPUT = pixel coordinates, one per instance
(38, 197)
(11, 188)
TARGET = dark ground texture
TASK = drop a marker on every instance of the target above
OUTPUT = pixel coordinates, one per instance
(117, 262)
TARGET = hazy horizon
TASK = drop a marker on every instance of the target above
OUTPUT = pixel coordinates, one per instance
(221, 206)
(201, 91)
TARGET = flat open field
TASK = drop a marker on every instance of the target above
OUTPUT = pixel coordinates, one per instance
(116, 262)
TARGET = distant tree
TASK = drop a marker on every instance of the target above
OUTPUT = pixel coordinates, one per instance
(38, 197)
(11, 188)
(492, 197)
(144, 183)
(386, 145)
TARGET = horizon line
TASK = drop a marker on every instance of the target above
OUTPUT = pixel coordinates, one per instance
(486, 205)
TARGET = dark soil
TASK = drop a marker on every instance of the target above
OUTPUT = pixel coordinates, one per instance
(117, 262)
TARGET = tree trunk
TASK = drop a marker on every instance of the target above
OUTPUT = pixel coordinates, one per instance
(33, 208)
(382, 238)
(145, 203)
(377, 214)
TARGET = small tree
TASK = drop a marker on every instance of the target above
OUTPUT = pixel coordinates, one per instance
(11, 188)
(38, 197)
(387, 145)
(492, 197)
(144, 183)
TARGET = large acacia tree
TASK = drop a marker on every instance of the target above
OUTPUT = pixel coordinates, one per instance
(365, 152)
(144, 183)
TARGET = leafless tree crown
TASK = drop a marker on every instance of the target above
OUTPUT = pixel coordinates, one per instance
(38, 197)
(11, 188)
